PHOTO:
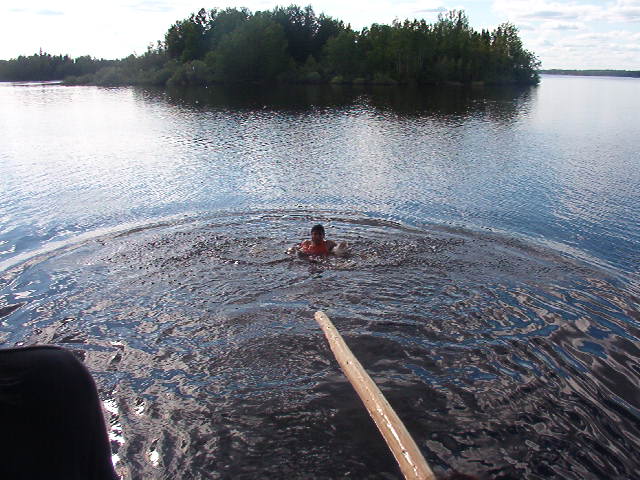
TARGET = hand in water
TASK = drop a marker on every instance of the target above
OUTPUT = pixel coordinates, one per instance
(341, 249)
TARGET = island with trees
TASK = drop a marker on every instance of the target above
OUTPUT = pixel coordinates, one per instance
(294, 45)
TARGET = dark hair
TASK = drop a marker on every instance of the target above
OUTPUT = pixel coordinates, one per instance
(317, 228)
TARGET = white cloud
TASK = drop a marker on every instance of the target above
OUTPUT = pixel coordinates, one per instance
(49, 12)
(545, 10)
(577, 33)
(430, 11)
(604, 38)
(150, 6)
(575, 10)
(626, 11)
(593, 50)
(563, 26)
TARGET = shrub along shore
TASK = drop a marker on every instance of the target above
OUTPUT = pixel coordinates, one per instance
(294, 45)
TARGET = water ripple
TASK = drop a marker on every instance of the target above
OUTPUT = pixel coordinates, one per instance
(478, 339)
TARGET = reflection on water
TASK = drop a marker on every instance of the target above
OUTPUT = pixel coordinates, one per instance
(492, 291)
(502, 103)
(77, 159)
(504, 359)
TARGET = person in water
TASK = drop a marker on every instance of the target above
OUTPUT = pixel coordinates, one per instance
(318, 245)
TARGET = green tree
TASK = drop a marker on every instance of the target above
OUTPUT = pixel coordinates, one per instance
(256, 51)
(224, 22)
(343, 55)
(376, 43)
(514, 63)
(187, 39)
(299, 26)
(327, 28)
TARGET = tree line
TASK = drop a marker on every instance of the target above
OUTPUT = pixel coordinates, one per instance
(594, 73)
(44, 67)
(294, 45)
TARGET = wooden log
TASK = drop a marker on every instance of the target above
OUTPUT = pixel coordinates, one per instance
(412, 464)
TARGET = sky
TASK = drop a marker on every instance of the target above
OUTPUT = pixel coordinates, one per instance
(572, 34)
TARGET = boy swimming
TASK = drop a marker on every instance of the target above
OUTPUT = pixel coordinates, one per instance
(318, 245)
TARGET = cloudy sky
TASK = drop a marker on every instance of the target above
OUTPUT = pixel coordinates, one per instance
(563, 33)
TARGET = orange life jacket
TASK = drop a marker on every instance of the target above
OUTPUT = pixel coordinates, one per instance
(312, 249)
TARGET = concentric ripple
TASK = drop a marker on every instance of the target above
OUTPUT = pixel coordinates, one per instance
(504, 358)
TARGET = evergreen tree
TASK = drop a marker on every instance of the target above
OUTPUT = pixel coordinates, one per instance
(255, 51)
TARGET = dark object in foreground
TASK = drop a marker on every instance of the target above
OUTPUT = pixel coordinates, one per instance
(51, 417)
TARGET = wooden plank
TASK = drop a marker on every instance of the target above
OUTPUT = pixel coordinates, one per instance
(412, 464)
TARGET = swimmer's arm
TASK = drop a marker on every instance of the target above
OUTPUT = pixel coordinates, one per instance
(304, 245)
(298, 248)
(339, 249)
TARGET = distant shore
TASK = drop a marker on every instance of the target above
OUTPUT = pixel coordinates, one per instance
(594, 73)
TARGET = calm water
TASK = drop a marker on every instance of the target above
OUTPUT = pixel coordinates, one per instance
(492, 289)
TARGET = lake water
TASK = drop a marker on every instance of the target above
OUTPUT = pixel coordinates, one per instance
(492, 289)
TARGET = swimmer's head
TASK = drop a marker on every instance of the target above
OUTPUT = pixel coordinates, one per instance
(317, 233)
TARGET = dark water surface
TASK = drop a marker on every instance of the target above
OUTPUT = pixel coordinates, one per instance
(492, 289)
